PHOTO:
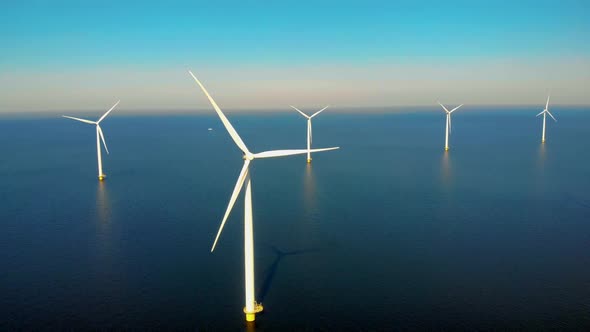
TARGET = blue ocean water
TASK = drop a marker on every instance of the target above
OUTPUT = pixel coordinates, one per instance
(389, 232)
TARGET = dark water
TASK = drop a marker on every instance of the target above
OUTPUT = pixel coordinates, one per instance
(387, 233)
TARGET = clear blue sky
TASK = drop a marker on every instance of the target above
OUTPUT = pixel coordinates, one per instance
(291, 38)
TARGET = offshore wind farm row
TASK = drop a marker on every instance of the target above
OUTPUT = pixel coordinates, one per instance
(309, 134)
(252, 307)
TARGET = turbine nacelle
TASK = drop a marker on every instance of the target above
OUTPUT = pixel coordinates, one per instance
(546, 111)
(309, 117)
(97, 123)
(446, 110)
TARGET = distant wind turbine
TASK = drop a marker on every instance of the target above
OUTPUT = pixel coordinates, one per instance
(252, 307)
(448, 130)
(309, 134)
(99, 137)
(545, 112)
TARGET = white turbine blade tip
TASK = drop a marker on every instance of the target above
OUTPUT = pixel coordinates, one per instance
(232, 200)
(443, 106)
(214, 244)
(109, 111)
(320, 111)
(279, 153)
(284, 153)
(456, 108)
(78, 119)
(324, 149)
(298, 110)
(230, 129)
(102, 138)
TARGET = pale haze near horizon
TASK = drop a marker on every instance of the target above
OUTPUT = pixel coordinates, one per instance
(474, 82)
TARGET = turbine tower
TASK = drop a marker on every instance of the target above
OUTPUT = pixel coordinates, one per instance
(99, 137)
(545, 112)
(309, 135)
(252, 307)
(448, 129)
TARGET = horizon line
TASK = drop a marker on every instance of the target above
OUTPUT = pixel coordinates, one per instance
(270, 110)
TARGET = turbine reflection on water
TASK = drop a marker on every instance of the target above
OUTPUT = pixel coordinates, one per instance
(309, 193)
(103, 244)
(446, 171)
(103, 207)
(541, 156)
(540, 169)
(309, 224)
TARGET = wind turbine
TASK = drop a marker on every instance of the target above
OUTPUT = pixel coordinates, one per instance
(309, 135)
(252, 307)
(99, 137)
(545, 112)
(448, 130)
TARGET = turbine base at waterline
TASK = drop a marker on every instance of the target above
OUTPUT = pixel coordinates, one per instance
(251, 314)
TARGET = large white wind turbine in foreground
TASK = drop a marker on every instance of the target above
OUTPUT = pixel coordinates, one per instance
(252, 307)
(448, 130)
(545, 112)
(99, 137)
(309, 134)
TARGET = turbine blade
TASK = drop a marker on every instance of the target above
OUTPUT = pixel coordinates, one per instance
(78, 119)
(310, 133)
(295, 108)
(551, 115)
(443, 106)
(232, 200)
(325, 149)
(547, 105)
(320, 111)
(283, 153)
(454, 109)
(109, 111)
(230, 129)
(543, 111)
(102, 138)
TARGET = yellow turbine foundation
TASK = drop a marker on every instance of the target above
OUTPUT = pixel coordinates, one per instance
(308, 160)
(251, 316)
(101, 177)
